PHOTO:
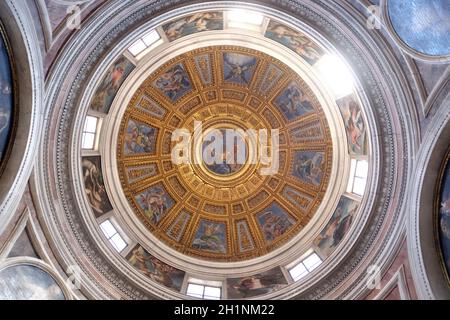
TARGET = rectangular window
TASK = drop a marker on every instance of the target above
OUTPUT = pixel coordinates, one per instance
(204, 292)
(312, 262)
(358, 176)
(298, 272)
(137, 47)
(304, 267)
(113, 235)
(89, 133)
(244, 19)
(150, 40)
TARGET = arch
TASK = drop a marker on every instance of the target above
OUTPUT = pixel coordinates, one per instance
(425, 260)
(26, 53)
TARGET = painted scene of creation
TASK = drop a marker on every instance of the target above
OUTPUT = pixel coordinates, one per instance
(337, 227)
(274, 221)
(355, 126)
(199, 22)
(155, 269)
(155, 202)
(174, 83)
(256, 285)
(293, 102)
(140, 138)
(238, 68)
(226, 158)
(296, 41)
(94, 185)
(309, 166)
(211, 237)
(110, 84)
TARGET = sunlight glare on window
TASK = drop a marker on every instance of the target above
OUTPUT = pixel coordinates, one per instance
(243, 19)
(212, 293)
(312, 262)
(113, 235)
(351, 176)
(204, 291)
(335, 73)
(358, 176)
(89, 133)
(137, 47)
(149, 40)
(108, 229)
(305, 267)
(362, 168)
(118, 242)
(298, 272)
(195, 290)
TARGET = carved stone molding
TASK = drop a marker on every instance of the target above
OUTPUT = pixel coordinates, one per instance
(27, 56)
(392, 124)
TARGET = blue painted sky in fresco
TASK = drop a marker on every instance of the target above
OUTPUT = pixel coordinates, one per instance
(26, 282)
(423, 25)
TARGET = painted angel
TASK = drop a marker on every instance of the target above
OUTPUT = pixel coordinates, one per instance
(238, 70)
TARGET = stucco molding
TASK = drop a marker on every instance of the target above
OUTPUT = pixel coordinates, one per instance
(30, 91)
(425, 264)
(393, 129)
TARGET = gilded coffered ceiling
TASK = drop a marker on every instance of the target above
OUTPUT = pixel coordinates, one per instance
(114, 98)
(224, 211)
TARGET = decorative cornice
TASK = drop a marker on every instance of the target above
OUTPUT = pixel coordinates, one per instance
(388, 124)
(30, 126)
(427, 277)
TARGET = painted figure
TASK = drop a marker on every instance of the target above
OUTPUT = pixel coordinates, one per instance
(295, 41)
(210, 237)
(155, 269)
(230, 160)
(337, 227)
(444, 216)
(140, 138)
(293, 102)
(224, 168)
(238, 68)
(4, 120)
(274, 222)
(5, 125)
(6, 99)
(354, 125)
(256, 285)
(309, 166)
(111, 82)
(174, 83)
(94, 187)
(198, 22)
(155, 202)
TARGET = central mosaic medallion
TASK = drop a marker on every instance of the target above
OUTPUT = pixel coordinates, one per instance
(224, 153)
(231, 154)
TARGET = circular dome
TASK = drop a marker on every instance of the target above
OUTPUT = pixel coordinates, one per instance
(197, 143)
(282, 151)
(181, 222)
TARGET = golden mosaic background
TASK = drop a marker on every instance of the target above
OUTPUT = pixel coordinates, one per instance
(224, 217)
